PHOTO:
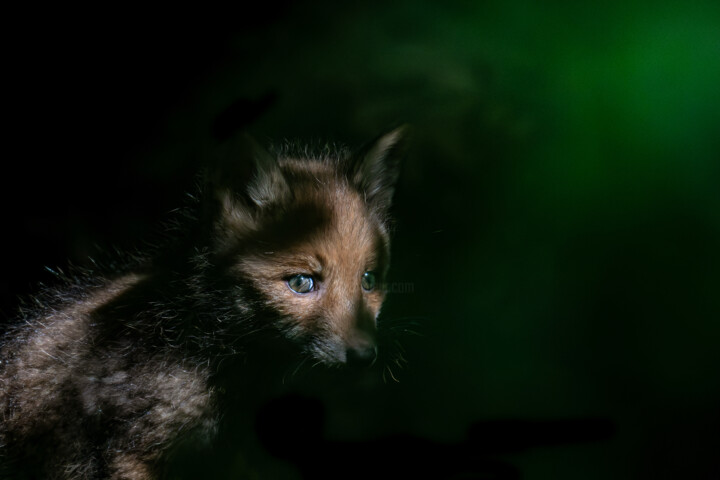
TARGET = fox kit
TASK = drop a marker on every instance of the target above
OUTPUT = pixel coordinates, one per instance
(105, 375)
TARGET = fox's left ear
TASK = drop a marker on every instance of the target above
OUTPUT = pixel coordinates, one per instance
(246, 172)
(376, 166)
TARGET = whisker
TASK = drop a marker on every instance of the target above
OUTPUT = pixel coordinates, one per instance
(389, 370)
(295, 370)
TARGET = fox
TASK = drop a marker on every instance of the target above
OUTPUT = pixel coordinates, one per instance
(283, 251)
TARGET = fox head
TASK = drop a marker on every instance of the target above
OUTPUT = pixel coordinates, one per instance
(309, 237)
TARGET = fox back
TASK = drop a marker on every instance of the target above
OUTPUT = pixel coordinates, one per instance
(106, 374)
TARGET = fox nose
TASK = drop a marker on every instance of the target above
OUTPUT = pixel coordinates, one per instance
(361, 356)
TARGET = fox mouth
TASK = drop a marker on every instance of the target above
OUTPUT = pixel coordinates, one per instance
(341, 355)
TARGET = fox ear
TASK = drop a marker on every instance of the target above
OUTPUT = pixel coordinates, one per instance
(376, 166)
(246, 173)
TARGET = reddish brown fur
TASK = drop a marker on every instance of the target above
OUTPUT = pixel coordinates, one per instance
(110, 374)
(350, 242)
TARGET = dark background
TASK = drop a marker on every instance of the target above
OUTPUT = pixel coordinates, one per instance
(558, 216)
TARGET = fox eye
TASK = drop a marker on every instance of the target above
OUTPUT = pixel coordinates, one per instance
(368, 281)
(301, 283)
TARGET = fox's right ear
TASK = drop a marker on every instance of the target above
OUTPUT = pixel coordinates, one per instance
(245, 178)
(376, 167)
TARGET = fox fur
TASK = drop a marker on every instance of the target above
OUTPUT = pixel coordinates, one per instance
(103, 376)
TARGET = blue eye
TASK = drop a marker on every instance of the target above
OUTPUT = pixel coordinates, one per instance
(301, 283)
(368, 281)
